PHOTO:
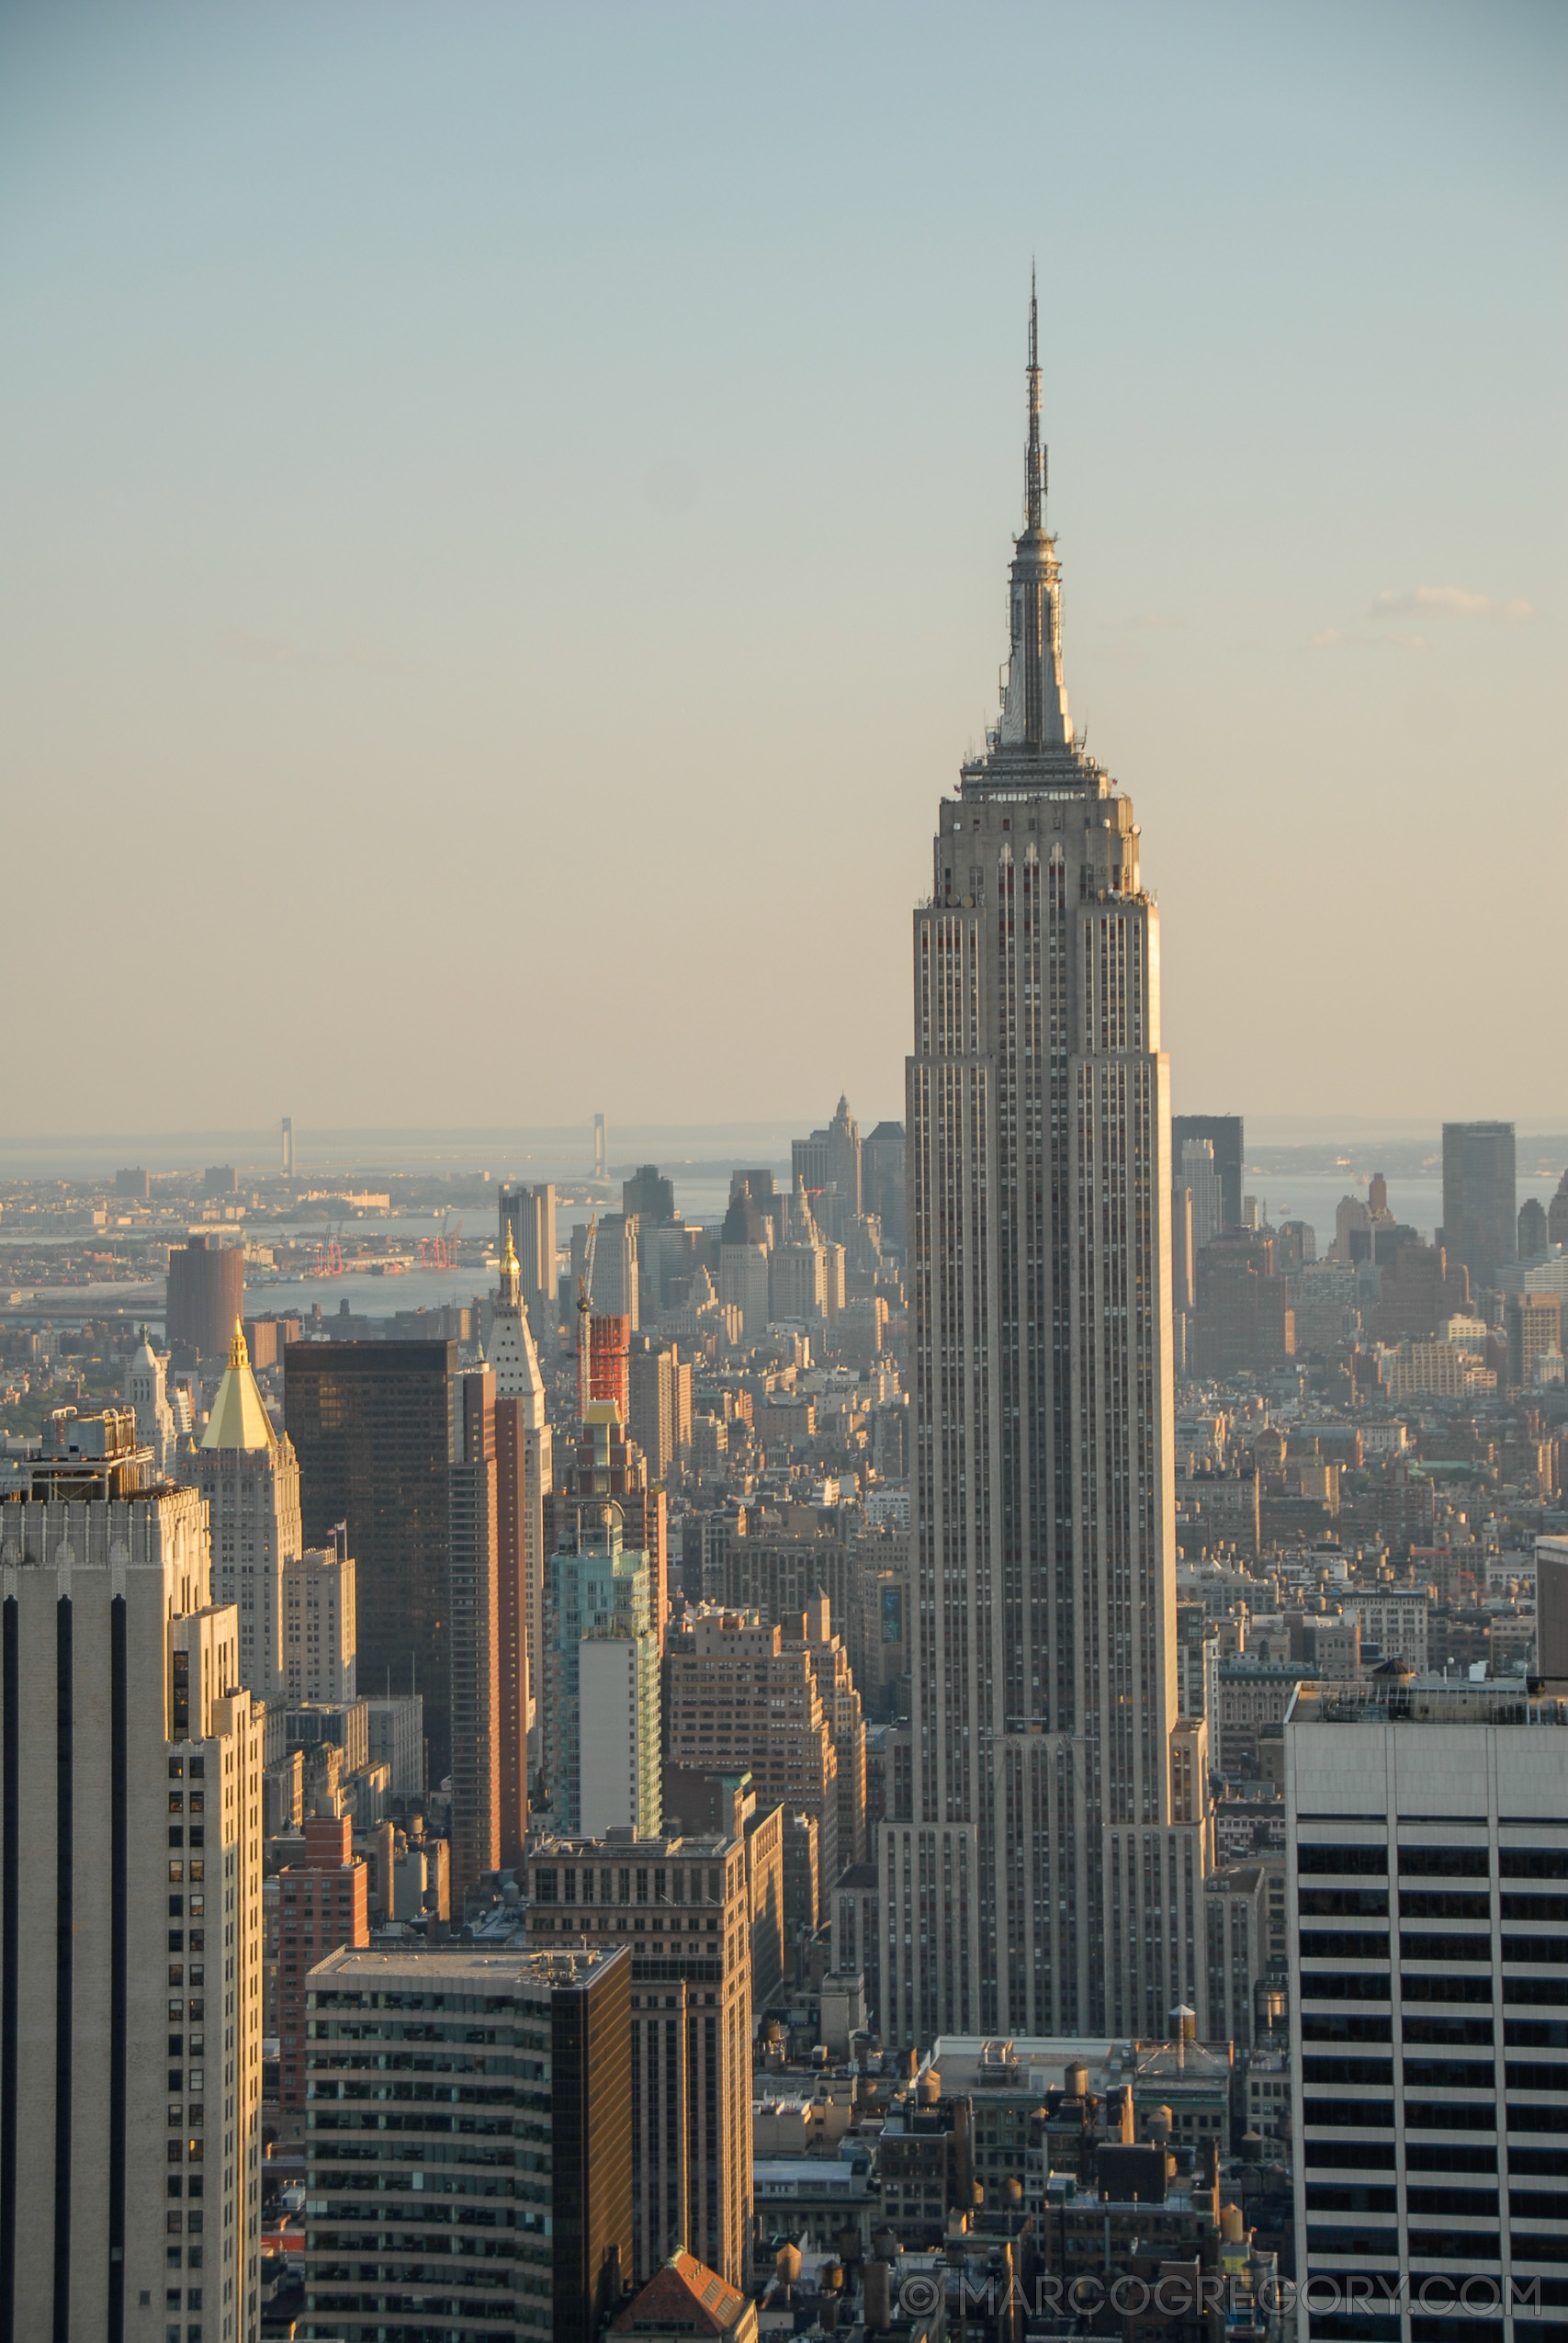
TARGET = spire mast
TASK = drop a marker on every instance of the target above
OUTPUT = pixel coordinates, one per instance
(1034, 460)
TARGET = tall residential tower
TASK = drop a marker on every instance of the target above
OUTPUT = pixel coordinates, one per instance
(1045, 1883)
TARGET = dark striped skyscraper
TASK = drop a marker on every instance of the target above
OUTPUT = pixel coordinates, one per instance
(375, 1427)
(1049, 1878)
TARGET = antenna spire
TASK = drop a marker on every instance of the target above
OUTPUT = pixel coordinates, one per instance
(1034, 458)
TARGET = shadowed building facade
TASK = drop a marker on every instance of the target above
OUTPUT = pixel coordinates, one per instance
(1480, 1197)
(372, 1426)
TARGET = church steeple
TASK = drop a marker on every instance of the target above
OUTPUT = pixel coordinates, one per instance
(1034, 696)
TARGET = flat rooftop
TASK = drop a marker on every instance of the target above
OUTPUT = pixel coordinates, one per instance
(457, 1968)
(1426, 1700)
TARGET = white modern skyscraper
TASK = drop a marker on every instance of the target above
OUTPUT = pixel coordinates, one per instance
(1044, 1883)
(1426, 1839)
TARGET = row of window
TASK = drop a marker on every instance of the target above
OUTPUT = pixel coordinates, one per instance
(1443, 2074)
(1430, 1903)
(1434, 2244)
(1377, 1985)
(1440, 2115)
(1436, 1863)
(1527, 2032)
(658, 1886)
(1373, 1944)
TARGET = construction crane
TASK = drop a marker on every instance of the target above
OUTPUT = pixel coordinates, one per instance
(440, 1252)
(585, 1318)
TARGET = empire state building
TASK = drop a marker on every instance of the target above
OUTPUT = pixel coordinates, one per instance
(1048, 1876)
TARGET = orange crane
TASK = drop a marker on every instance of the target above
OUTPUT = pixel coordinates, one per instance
(440, 1252)
(329, 1257)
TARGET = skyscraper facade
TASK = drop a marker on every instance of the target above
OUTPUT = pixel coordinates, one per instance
(463, 2236)
(1042, 1883)
(828, 1167)
(1197, 1172)
(844, 1159)
(605, 1464)
(250, 1481)
(653, 1385)
(524, 1470)
(1225, 1136)
(616, 1276)
(1427, 1837)
(320, 1624)
(207, 1295)
(146, 1389)
(131, 1923)
(528, 1219)
(603, 1687)
(742, 1697)
(1480, 1198)
(371, 1424)
(323, 1903)
(684, 1904)
(882, 1160)
(474, 1636)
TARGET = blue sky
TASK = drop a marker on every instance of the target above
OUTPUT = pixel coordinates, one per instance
(507, 511)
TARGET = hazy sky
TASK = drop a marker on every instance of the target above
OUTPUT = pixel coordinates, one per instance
(505, 514)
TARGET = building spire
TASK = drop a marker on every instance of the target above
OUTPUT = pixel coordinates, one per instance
(1035, 697)
(1034, 458)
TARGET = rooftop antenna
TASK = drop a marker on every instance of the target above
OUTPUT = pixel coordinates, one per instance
(1034, 461)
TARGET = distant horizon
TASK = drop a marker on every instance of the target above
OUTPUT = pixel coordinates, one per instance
(432, 1146)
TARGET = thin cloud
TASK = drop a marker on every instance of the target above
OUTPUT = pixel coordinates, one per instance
(1449, 602)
